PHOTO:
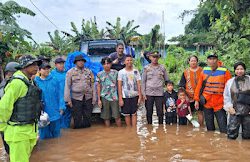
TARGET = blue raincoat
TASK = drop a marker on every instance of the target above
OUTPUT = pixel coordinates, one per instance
(50, 96)
(52, 106)
(66, 117)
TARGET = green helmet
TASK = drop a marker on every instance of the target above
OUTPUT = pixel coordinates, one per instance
(11, 67)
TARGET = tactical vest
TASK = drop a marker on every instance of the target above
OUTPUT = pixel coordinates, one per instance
(27, 110)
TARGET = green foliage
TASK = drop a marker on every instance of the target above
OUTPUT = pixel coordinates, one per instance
(60, 44)
(89, 30)
(225, 24)
(198, 29)
(118, 31)
(137, 63)
(12, 36)
(233, 31)
(152, 41)
(175, 62)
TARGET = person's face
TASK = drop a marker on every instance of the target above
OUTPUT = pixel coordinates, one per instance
(107, 66)
(80, 63)
(182, 96)
(193, 62)
(9, 74)
(240, 71)
(170, 87)
(45, 71)
(129, 62)
(154, 59)
(212, 62)
(120, 49)
(60, 66)
(32, 69)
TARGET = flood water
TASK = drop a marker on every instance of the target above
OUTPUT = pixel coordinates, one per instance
(144, 143)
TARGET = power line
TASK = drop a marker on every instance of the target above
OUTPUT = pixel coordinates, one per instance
(43, 14)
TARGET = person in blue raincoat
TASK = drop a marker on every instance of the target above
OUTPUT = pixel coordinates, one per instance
(59, 73)
(52, 101)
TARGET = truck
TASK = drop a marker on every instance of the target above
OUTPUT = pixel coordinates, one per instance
(96, 50)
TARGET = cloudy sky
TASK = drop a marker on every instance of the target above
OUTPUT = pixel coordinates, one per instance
(146, 13)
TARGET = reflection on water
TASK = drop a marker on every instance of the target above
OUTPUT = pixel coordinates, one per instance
(144, 143)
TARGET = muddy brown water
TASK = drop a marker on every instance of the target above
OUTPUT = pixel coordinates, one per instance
(155, 142)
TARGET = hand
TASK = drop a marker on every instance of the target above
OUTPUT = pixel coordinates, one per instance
(144, 98)
(196, 105)
(61, 112)
(100, 103)
(115, 61)
(93, 101)
(231, 111)
(70, 104)
(121, 102)
(139, 101)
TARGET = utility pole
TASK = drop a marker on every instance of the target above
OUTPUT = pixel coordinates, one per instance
(163, 32)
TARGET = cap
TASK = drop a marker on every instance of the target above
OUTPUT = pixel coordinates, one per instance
(44, 65)
(42, 58)
(212, 55)
(27, 60)
(59, 60)
(11, 67)
(155, 53)
(79, 58)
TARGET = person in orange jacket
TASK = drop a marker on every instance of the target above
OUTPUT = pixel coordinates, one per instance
(216, 76)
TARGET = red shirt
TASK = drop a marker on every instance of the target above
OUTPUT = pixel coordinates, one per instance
(183, 110)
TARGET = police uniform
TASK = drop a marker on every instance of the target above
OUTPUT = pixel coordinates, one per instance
(153, 81)
(79, 90)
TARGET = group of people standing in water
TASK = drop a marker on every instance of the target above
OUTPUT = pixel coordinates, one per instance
(118, 90)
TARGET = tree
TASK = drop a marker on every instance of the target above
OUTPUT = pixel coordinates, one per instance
(233, 31)
(89, 30)
(118, 31)
(152, 41)
(198, 29)
(60, 44)
(11, 34)
(224, 23)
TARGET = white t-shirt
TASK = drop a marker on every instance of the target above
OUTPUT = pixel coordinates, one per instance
(129, 82)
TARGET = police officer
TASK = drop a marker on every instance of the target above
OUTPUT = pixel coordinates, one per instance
(153, 81)
(79, 93)
(20, 109)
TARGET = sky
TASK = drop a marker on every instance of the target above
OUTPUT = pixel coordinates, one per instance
(145, 13)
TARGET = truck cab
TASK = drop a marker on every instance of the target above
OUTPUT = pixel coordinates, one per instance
(97, 49)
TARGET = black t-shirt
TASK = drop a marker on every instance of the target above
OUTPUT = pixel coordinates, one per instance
(170, 98)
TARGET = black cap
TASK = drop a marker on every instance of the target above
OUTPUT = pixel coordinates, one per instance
(212, 55)
(44, 65)
(155, 54)
(43, 58)
(59, 60)
(79, 58)
(27, 60)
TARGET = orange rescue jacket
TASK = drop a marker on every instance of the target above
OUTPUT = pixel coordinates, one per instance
(214, 88)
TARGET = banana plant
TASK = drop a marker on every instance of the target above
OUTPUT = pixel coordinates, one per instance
(118, 31)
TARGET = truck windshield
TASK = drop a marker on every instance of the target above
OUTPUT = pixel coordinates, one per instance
(101, 50)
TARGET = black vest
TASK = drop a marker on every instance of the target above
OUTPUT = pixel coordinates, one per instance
(27, 110)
